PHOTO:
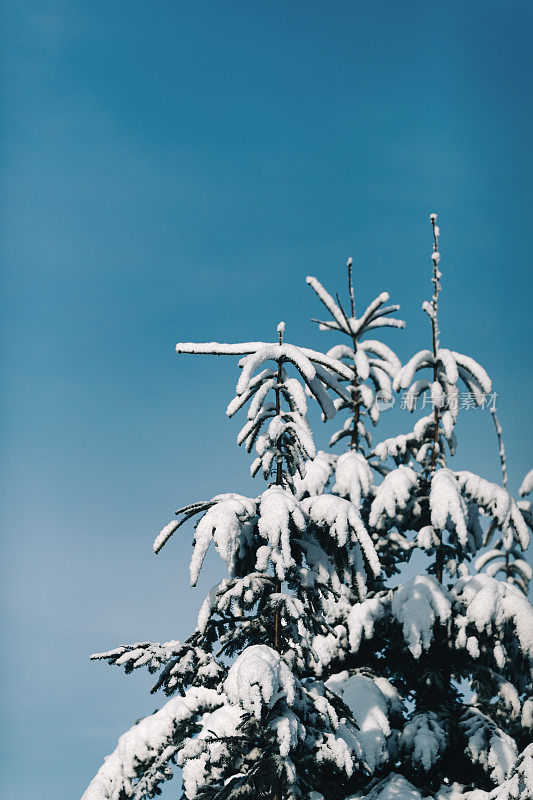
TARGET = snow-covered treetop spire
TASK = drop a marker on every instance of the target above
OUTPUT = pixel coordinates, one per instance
(447, 368)
(277, 415)
(432, 308)
(501, 446)
(372, 364)
(442, 506)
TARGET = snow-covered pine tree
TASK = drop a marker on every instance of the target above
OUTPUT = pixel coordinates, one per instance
(451, 650)
(248, 714)
(505, 556)
(373, 366)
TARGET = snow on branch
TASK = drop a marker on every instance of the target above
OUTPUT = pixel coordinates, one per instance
(417, 605)
(393, 495)
(488, 745)
(498, 503)
(424, 739)
(366, 360)
(143, 753)
(188, 512)
(344, 522)
(370, 700)
(526, 486)
(283, 439)
(225, 522)
(489, 605)
(448, 509)
(518, 785)
(258, 678)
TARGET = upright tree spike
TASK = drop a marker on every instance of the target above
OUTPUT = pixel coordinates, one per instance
(434, 316)
(501, 446)
(349, 264)
(449, 502)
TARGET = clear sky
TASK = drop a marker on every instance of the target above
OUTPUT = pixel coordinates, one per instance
(173, 171)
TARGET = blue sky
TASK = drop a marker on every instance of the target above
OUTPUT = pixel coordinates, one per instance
(173, 171)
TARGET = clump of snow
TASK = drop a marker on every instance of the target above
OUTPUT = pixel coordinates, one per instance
(258, 678)
(488, 745)
(289, 731)
(489, 604)
(317, 474)
(353, 476)
(417, 605)
(448, 509)
(424, 739)
(518, 786)
(208, 747)
(393, 787)
(224, 523)
(498, 503)
(362, 618)
(279, 508)
(392, 495)
(344, 522)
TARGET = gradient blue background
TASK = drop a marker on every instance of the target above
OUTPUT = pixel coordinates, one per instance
(173, 170)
